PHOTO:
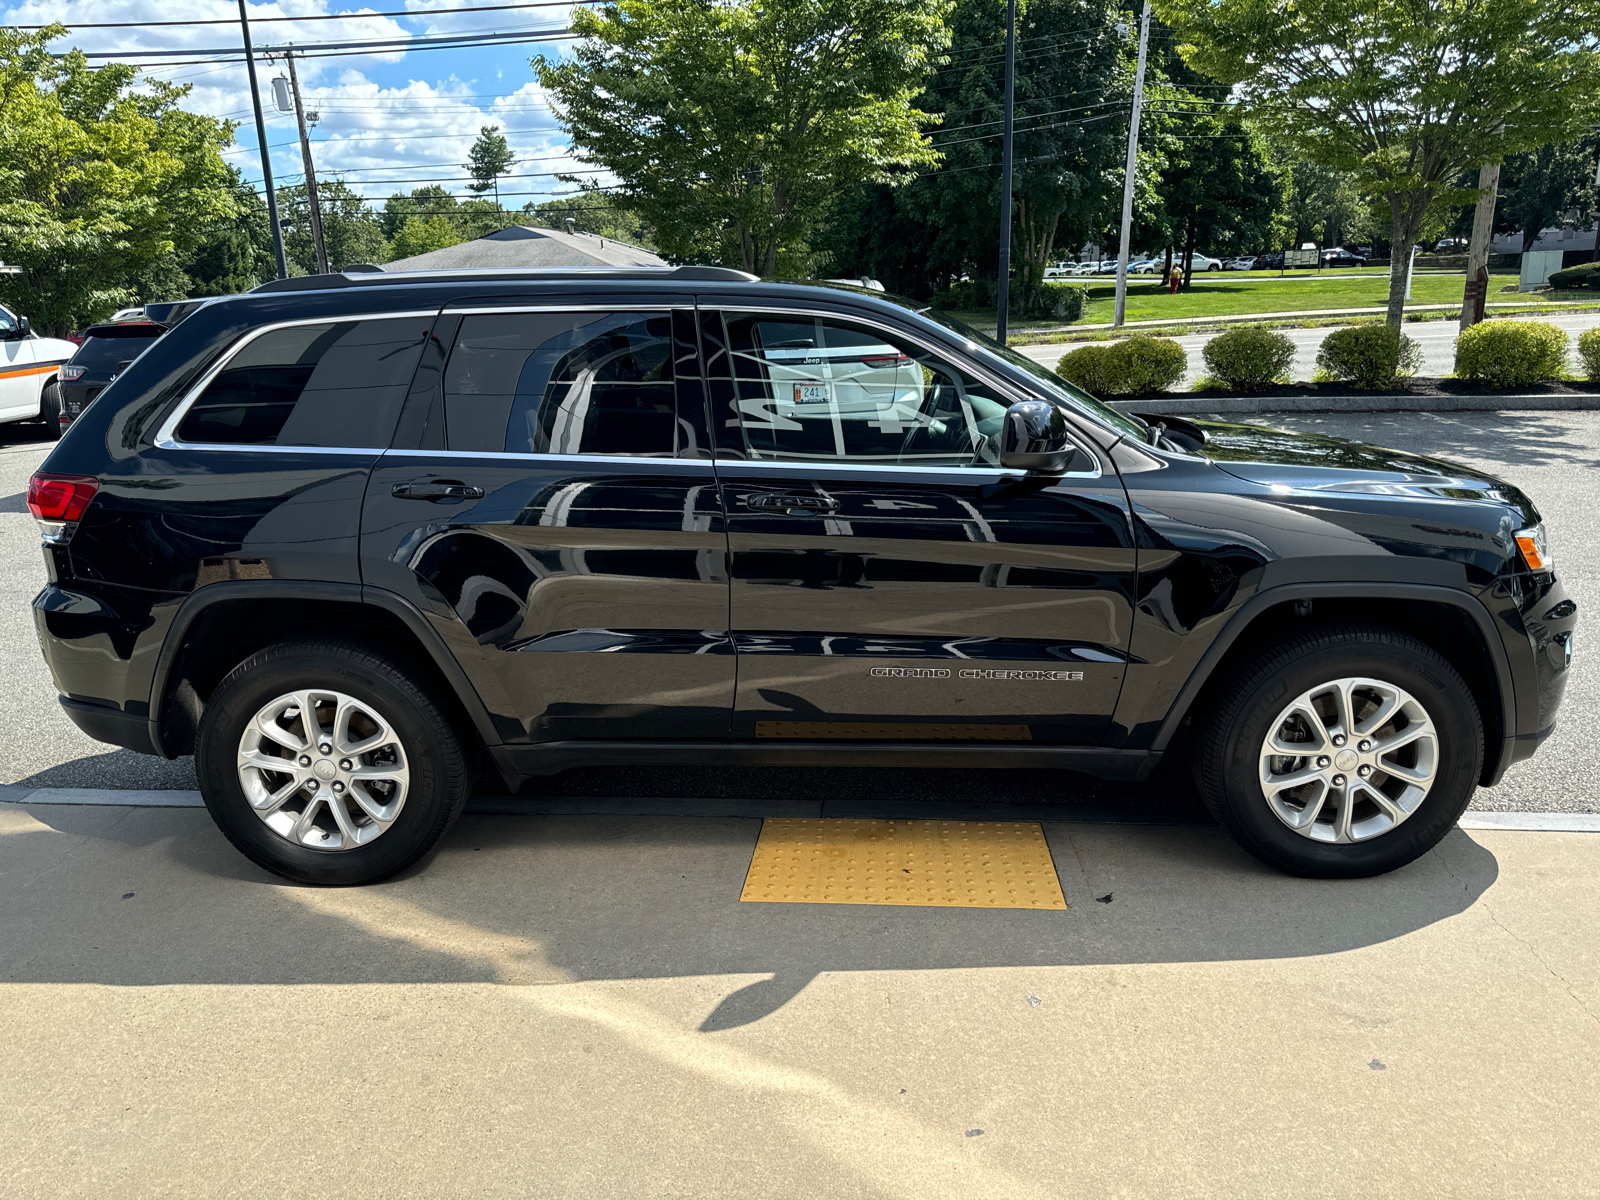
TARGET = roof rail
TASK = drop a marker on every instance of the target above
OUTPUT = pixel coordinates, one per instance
(362, 275)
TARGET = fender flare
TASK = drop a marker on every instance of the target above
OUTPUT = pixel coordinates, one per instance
(1496, 758)
(292, 589)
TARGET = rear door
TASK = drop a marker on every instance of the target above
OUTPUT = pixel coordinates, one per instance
(889, 582)
(550, 504)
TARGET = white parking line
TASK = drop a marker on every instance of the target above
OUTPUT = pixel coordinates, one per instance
(1529, 822)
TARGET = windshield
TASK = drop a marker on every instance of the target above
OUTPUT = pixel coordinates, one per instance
(1048, 380)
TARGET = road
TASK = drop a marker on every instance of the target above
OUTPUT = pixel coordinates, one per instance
(1437, 339)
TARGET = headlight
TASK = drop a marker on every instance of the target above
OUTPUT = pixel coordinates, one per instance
(69, 373)
(1535, 548)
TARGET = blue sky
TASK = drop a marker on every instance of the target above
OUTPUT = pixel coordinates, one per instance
(390, 121)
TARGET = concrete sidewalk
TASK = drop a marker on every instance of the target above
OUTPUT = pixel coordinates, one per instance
(563, 1006)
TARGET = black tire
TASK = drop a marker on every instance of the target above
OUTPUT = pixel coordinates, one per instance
(1228, 745)
(439, 771)
(50, 409)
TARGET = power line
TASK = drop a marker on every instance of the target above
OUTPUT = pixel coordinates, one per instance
(354, 16)
(379, 44)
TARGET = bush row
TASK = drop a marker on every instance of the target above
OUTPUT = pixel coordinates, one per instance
(1370, 357)
(1058, 301)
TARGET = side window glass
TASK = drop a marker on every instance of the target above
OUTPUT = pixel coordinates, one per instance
(7, 322)
(819, 390)
(562, 383)
(338, 384)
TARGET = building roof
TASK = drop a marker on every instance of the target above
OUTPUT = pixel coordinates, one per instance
(526, 246)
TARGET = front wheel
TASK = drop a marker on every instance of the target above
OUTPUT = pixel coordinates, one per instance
(326, 763)
(1342, 752)
(50, 409)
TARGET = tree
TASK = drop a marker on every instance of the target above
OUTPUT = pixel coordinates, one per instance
(1539, 187)
(1406, 95)
(235, 253)
(489, 158)
(592, 211)
(1218, 189)
(350, 231)
(100, 184)
(429, 201)
(1324, 205)
(732, 126)
(1074, 76)
(419, 235)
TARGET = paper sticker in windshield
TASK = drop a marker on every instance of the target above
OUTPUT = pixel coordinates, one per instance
(810, 391)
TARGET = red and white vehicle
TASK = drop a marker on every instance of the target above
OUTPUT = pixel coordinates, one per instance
(29, 366)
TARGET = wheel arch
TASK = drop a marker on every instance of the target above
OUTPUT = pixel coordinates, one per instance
(221, 625)
(1451, 621)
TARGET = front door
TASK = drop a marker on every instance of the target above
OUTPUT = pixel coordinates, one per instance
(889, 582)
(19, 370)
(558, 520)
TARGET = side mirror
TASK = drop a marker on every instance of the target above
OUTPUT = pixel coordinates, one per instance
(1034, 439)
(24, 327)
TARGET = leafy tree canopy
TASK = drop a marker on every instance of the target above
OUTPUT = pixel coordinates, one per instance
(350, 230)
(1406, 95)
(100, 182)
(592, 211)
(731, 126)
(489, 158)
(1539, 187)
(419, 235)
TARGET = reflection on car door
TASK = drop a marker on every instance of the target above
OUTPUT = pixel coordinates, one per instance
(889, 582)
(558, 520)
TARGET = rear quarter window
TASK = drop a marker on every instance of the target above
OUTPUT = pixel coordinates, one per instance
(333, 384)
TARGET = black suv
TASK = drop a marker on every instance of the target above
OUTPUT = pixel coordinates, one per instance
(105, 351)
(346, 536)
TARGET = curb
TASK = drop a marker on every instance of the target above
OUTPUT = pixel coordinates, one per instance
(1389, 403)
(1517, 822)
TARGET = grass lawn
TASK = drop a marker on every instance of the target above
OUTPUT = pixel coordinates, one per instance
(1216, 294)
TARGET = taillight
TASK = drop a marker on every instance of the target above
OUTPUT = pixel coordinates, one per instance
(885, 360)
(69, 372)
(57, 502)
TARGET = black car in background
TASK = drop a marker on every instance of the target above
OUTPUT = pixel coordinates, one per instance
(102, 355)
(1340, 257)
(349, 535)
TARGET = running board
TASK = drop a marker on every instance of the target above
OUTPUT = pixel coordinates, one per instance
(547, 758)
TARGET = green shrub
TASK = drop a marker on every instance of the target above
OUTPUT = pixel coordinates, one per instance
(1049, 301)
(1589, 352)
(1368, 356)
(1136, 366)
(1511, 353)
(1093, 368)
(1583, 275)
(1249, 357)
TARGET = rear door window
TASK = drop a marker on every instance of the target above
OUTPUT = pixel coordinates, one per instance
(552, 382)
(334, 384)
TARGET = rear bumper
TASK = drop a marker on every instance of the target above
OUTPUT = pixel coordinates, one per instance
(106, 724)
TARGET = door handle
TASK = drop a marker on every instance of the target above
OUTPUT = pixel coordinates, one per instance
(436, 489)
(793, 505)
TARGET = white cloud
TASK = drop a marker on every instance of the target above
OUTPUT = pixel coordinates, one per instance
(374, 134)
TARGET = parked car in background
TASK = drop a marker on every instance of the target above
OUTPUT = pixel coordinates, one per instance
(101, 356)
(1451, 245)
(1204, 262)
(1242, 263)
(1145, 266)
(1272, 260)
(1340, 257)
(1085, 268)
(28, 368)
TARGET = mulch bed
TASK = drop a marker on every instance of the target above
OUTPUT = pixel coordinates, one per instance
(1416, 386)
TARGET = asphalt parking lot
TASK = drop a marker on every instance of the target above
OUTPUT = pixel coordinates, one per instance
(580, 1004)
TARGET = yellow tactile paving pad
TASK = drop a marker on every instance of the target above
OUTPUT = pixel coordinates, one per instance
(950, 864)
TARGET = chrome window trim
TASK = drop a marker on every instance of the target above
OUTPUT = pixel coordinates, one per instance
(704, 464)
(492, 310)
(165, 436)
(1001, 384)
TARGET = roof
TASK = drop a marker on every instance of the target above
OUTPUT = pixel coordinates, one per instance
(526, 246)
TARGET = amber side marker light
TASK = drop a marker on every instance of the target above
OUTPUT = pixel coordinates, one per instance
(1535, 551)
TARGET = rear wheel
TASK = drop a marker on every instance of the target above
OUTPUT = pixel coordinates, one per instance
(1342, 752)
(50, 409)
(325, 762)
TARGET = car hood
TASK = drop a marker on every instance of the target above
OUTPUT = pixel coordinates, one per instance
(1314, 462)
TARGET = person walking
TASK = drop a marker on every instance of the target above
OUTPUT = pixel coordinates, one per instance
(1175, 280)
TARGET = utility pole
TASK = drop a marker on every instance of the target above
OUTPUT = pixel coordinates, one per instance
(311, 171)
(1121, 311)
(1005, 170)
(261, 140)
(1477, 290)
